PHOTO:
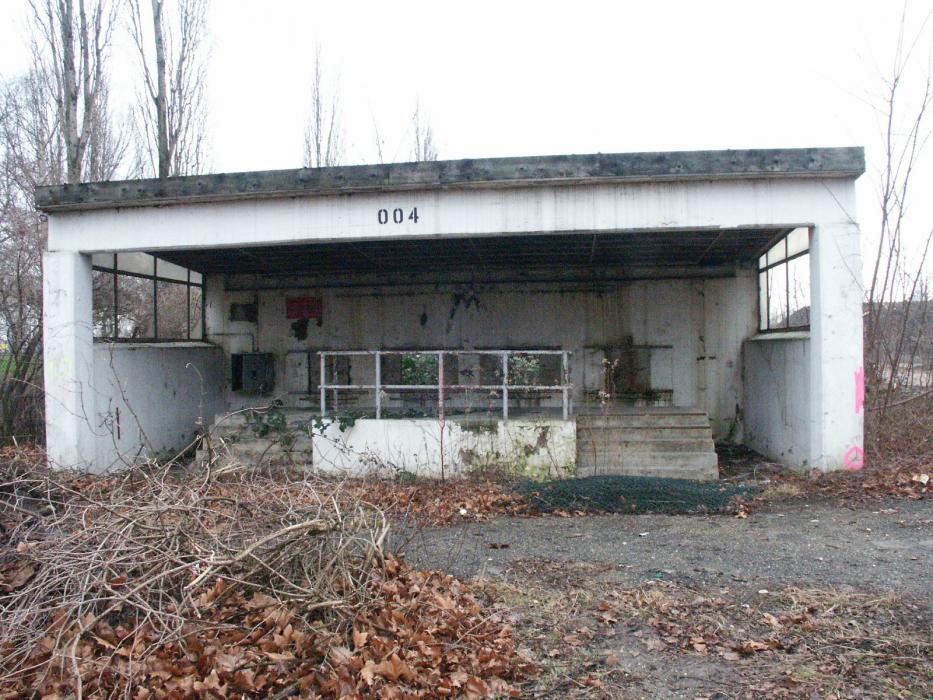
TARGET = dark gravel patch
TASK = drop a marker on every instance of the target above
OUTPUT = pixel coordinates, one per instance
(883, 546)
(633, 494)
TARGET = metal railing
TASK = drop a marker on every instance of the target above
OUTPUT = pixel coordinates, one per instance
(564, 386)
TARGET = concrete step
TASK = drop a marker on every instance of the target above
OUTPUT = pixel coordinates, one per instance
(659, 460)
(254, 444)
(673, 443)
(644, 420)
(603, 444)
(250, 450)
(293, 419)
(244, 432)
(665, 473)
(620, 434)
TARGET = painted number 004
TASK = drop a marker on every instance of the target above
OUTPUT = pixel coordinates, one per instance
(397, 215)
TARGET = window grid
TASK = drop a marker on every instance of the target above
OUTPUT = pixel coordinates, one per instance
(155, 278)
(764, 268)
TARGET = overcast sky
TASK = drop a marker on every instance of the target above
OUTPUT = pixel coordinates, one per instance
(532, 78)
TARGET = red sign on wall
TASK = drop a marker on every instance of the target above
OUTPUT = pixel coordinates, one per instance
(304, 307)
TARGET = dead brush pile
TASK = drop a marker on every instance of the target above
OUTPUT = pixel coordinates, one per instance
(429, 502)
(163, 582)
(789, 643)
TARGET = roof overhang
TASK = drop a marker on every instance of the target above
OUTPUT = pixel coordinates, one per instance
(459, 174)
(574, 255)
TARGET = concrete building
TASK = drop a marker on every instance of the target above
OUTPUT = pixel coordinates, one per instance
(551, 315)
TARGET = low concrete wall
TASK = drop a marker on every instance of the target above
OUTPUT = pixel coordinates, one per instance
(777, 397)
(533, 448)
(149, 397)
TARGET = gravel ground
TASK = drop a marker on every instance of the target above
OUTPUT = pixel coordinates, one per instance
(880, 546)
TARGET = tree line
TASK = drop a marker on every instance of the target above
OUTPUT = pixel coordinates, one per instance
(58, 124)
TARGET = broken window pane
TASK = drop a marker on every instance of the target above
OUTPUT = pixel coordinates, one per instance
(102, 293)
(777, 297)
(135, 308)
(763, 300)
(798, 271)
(173, 311)
(196, 330)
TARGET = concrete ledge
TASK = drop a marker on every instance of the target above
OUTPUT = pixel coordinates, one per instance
(153, 345)
(467, 173)
(781, 335)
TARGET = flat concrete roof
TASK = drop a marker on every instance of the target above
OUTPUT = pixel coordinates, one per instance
(460, 174)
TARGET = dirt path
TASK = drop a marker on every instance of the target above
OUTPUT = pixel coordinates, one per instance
(880, 547)
(703, 607)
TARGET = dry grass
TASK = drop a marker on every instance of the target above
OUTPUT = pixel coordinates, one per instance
(794, 642)
(592, 638)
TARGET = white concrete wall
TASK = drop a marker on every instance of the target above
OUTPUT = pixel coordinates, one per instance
(836, 371)
(536, 449)
(828, 205)
(704, 322)
(785, 202)
(68, 365)
(149, 398)
(778, 398)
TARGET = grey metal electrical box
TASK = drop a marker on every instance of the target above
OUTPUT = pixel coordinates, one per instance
(253, 372)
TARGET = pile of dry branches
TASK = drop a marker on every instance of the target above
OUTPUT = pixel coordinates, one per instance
(234, 582)
(141, 556)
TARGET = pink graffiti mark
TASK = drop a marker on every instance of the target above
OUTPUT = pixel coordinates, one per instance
(854, 459)
(859, 390)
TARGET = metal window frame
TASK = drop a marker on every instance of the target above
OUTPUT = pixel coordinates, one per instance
(565, 387)
(155, 278)
(764, 269)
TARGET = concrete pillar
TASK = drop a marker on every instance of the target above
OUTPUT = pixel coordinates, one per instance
(69, 359)
(836, 374)
(213, 306)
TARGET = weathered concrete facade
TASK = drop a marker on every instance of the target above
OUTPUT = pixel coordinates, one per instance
(694, 327)
(575, 253)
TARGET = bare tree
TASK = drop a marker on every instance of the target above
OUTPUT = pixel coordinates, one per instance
(423, 147)
(70, 50)
(173, 110)
(324, 133)
(380, 143)
(898, 304)
(55, 127)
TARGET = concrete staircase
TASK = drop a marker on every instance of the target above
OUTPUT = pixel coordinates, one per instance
(235, 438)
(676, 443)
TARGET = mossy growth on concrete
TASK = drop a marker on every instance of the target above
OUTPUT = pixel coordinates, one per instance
(632, 494)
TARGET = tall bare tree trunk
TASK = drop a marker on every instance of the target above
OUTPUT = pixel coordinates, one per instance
(171, 117)
(423, 148)
(323, 134)
(161, 96)
(70, 51)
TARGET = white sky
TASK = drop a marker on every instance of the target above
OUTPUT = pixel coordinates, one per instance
(511, 78)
